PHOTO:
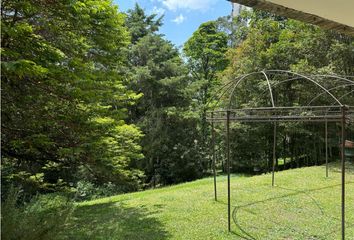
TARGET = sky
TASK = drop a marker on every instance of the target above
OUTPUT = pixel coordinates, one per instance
(181, 17)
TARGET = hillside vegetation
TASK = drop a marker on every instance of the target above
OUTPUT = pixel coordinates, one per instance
(97, 102)
(302, 205)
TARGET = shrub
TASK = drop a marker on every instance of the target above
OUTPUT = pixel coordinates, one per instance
(87, 191)
(44, 217)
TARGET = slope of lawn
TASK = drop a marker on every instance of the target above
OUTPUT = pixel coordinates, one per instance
(304, 204)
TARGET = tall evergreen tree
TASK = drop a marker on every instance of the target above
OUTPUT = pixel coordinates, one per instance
(64, 95)
(140, 24)
(170, 144)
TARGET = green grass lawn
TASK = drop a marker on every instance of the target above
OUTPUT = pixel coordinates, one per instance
(303, 205)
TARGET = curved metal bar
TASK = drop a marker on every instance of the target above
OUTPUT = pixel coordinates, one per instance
(283, 81)
(330, 79)
(337, 77)
(323, 75)
(287, 80)
(342, 77)
(331, 76)
(299, 78)
(221, 95)
(341, 97)
(344, 85)
(237, 83)
(344, 95)
(313, 81)
(270, 89)
(226, 85)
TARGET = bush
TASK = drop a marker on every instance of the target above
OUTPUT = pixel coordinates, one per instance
(87, 191)
(44, 217)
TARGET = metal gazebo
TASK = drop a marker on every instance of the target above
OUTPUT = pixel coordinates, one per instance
(328, 104)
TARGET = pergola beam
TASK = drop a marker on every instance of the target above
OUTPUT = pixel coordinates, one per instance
(278, 119)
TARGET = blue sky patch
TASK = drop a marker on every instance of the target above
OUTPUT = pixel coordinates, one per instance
(182, 17)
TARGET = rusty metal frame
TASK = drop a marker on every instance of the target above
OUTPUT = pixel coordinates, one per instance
(336, 112)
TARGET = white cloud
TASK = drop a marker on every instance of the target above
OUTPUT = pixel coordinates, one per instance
(179, 19)
(158, 10)
(188, 4)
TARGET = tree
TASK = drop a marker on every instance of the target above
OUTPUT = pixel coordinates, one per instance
(205, 52)
(65, 97)
(140, 24)
(163, 112)
(274, 42)
(235, 27)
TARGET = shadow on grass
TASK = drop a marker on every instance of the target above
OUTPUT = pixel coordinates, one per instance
(336, 167)
(114, 220)
(246, 234)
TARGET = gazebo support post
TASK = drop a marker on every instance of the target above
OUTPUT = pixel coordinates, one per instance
(214, 156)
(228, 169)
(336, 112)
(326, 146)
(343, 108)
(274, 149)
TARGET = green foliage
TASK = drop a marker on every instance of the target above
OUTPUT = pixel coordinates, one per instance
(278, 43)
(271, 42)
(163, 112)
(96, 101)
(87, 190)
(235, 27)
(205, 52)
(44, 217)
(140, 24)
(65, 96)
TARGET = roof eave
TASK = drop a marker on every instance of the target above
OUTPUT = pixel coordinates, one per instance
(298, 15)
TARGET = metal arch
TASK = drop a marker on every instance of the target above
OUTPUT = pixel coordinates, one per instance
(351, 83)
(341, 97)
(227, 86)
(345, 78)
(237, 83)
(279, 116)
(270, 89)
(344, 95)
(247, 75)
(287, 80)
(282, 81)
(332, 78)
(313, 81)
(301, 78)
(228, 89)
(222, 87)
(344, 85)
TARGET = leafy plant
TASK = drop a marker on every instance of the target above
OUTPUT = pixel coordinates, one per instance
(43, 218)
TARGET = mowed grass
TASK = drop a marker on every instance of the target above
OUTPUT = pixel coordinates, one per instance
(304, 204)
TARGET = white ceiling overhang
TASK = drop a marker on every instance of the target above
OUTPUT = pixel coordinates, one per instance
(329, 14)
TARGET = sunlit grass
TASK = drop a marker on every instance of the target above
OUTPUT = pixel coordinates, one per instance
(304, 204)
